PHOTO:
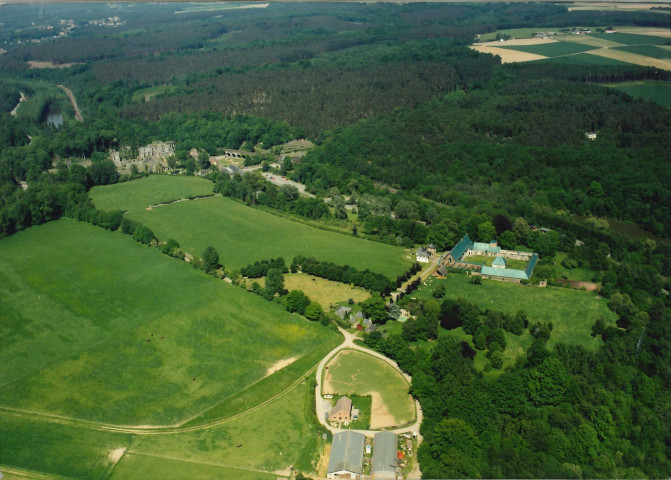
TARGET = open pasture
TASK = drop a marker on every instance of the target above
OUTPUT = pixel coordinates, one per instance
(98, 327)
(654, 91)
(152, 190)
(324, 292)
(243, 235)
(260, 444)
(353, 372)
(571, 312)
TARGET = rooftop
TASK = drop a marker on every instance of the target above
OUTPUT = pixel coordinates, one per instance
(384, 455)
(347, 453)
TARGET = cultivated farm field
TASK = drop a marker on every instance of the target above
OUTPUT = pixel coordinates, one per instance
(98, 327)
(243, 235)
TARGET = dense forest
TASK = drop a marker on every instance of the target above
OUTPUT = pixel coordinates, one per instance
(418, 139)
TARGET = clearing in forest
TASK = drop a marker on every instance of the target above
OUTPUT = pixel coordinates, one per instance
(324, 292)
(353, 372)
(97, 327)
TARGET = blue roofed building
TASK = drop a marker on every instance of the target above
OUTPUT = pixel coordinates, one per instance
(458, 257)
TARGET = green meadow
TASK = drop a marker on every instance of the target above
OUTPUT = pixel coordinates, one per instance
(243, 235)
(152, 190)
(98, 327)
(654, 91)
(572, 312)
(260, 444)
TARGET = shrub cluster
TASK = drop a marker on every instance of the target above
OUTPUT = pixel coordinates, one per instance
(343, 273)
(260, 269)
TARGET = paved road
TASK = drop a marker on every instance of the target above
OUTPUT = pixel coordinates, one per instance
(22, 99)
(78, 114)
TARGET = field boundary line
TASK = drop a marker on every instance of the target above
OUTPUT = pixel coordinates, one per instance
(32, 473)
(201, 462)
(153, 430)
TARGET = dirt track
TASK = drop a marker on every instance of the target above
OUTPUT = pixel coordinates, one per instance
(78, 114)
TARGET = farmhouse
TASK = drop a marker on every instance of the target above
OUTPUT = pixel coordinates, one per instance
(499, 267)
(346, 461)
(341, 411)
(384, 456)
(424, 254)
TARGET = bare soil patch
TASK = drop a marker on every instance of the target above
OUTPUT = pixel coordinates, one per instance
(508, 56)
(115, 455)
(280, 365)
(323, 463)
(379, 415)
(589, 286)
(37, 64)
(631, 58)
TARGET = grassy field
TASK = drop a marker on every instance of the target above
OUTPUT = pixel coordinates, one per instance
(57, 449)
(571, 312)
(243, 235)
(352, 372)
(654, 91)
(652, 51)
(631, 39)
(324, 292)
(551, 49)
(271, 439)
(154, 189)
(79, 311)
(578, 274)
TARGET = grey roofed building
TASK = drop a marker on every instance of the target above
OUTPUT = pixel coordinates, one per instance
(342, 312)
(346, 455)
(384, 456)
(371, 328)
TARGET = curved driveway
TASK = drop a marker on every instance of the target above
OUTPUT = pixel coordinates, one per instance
(349, 344)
